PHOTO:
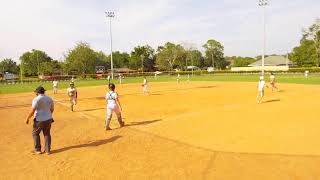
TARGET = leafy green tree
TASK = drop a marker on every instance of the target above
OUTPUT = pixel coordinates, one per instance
(142, 57)
(51, 68)
(81, 59)
(214, 55)
(305, 54)
(195, 58)
(103, 60)
(313, 34)
(8, 65)
(32, 61)
(120, 60)
(171, 56)
(242, 61)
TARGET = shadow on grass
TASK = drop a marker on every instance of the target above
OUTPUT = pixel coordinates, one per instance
(91, 144)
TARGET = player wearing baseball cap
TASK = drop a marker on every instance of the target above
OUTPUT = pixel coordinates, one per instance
(73, 95)
(42, 110)
(113, 105)
(261, 86)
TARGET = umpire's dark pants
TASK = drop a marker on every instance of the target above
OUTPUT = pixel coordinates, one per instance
(45, 127)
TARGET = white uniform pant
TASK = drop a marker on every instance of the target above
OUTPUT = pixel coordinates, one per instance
(145, 89)
(73, 100)
(55, 89)
(110, 110)
(261, 93)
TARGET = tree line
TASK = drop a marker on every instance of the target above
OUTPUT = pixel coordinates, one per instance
(82, 59)
(307, 54)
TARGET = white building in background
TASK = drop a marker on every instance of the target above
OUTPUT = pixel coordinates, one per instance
(9, 76)
(210, 69)
(271, 63)
(193, 68)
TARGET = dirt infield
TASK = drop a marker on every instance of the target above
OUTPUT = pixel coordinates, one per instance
(196, 130)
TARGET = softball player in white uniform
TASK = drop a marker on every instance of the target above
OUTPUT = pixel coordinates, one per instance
(113, 105)
(145, 86)
(261, 86)
(72, 93)
(55, 86)
(120, 79)
(306, 73)
(108, 79)
(178, 78)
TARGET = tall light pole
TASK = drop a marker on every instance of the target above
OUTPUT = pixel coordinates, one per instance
(38, 65)
(142, 60)
(191, 63)
(212, 60)
(190, 47)
(263, 4)
(21, 71)
(110, 15)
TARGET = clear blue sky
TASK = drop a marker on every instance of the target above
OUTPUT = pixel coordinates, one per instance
(56, 25)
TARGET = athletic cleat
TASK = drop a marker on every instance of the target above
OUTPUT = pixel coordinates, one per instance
(122, 124)
(108, 128)
(36, 152)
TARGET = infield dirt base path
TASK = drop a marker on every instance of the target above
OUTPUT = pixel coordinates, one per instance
(195, 130)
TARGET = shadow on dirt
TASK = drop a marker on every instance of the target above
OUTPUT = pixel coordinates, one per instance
(87, 110)
(91, 144)
(271, 100)
(143, 122)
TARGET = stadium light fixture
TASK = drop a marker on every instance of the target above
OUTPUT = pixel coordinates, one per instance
(263, 3)
(110, 15)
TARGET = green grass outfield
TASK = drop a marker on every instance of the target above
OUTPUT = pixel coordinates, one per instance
(285, 78)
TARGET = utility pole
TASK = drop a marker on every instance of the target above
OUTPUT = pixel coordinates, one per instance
(142, 64)
(38, 65)
(212, 60)
(21, 65)
(191, 63)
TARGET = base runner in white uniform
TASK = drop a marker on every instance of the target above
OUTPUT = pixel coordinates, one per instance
(113, 105)
(145, 86)
(261, 86)
(120, 79)
(73, 95)
(108, 79)
(55, 86)
(306, 73)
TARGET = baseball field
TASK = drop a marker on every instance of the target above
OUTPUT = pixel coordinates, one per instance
(192, 130)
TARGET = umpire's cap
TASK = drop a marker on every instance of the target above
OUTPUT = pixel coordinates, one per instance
(40, 90)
